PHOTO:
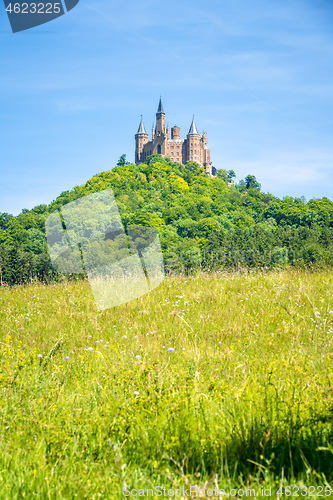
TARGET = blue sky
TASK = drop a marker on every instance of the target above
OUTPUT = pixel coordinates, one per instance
(258, 75)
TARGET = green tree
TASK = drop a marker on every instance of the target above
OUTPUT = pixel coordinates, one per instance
(222, 174)
(241, 186)
(230, 175)
(122, 161)
(251, 182)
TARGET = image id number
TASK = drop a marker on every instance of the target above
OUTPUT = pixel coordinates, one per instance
(34, 8)
(311, 491)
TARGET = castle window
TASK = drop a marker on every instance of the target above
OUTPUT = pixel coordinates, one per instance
(159, 149)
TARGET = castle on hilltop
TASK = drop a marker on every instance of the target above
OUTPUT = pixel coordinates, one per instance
(193, 148)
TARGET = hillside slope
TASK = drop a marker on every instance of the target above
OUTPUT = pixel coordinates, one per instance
(201, 221)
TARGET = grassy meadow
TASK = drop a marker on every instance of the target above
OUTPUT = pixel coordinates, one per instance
(211, 379)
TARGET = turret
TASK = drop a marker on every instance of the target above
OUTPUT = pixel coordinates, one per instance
(193, 143)
(193, 128)
(175, 132)
(160, 120)
(141, 138)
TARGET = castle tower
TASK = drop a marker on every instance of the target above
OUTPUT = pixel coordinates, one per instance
(193, 143)
(206, 161)
(197, 148)
(141, 138)
(175, 132)
(160, 120)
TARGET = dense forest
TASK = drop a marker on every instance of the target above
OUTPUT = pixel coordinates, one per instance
(203, 222)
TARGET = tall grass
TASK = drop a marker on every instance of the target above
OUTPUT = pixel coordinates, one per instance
(245, 396)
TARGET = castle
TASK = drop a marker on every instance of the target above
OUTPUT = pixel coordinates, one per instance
(193, 148)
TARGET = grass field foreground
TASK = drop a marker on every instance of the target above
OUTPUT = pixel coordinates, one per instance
(223, 378)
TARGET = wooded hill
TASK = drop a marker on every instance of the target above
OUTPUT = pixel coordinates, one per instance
(202, 222)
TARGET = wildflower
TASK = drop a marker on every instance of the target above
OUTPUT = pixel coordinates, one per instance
(67, 357)
(137, 357)
(171, 349)
(90, 349)
(136, 393)
(89, 336)
(97, 341)
(101, 340)
(124, 336)
(163, 346)
(183, 348)
(40, 355)
(330, 312)
(219, 342)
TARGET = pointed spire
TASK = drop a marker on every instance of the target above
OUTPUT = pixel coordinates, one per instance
(193, 128)
(160, 107)
(141, 129)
